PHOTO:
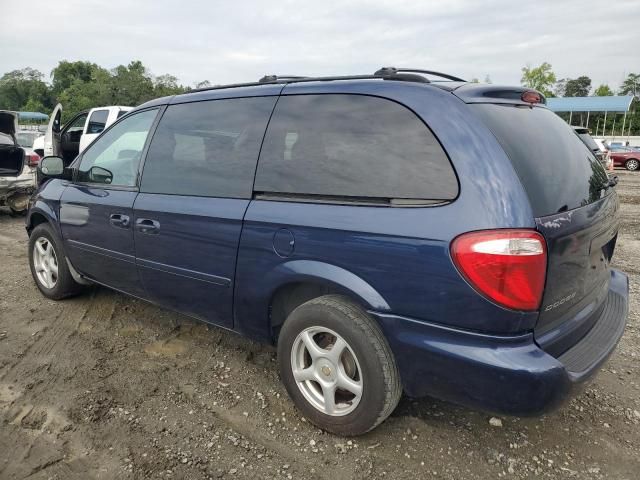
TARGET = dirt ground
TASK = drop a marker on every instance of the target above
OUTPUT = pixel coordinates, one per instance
(104, 386)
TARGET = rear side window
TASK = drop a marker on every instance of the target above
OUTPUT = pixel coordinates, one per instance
(588, 141)
(97, 121)
(352, 146)
(207, 148)
(557, 170)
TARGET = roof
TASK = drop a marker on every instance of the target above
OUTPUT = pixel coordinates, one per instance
(32, 116)
(590, 104)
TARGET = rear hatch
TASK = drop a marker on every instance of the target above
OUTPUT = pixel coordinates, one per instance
(575, 209)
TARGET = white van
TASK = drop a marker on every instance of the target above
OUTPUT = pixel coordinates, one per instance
(69, 140)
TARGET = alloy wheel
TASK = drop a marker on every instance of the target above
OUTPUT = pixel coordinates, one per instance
(45, 262)
(327, 371)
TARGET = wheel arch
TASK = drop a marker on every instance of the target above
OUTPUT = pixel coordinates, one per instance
(40, 213)
(304, 280)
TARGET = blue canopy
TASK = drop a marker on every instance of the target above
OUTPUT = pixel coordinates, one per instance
(33, 116)
(590, 104)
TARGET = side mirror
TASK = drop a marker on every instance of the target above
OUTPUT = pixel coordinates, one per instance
(100, 175)
(11, 160)
(51, 167)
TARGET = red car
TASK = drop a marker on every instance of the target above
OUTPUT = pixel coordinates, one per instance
(625, 157)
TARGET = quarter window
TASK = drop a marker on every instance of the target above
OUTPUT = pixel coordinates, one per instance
(207, 148)
(117, 152)
(352, 146)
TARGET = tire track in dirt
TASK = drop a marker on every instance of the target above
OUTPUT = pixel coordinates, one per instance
(28, 407)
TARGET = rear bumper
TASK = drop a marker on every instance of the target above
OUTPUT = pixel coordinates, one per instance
(511, 375)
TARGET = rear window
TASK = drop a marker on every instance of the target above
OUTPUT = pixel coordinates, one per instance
(97, 121)
(556, 168)
(352, 146)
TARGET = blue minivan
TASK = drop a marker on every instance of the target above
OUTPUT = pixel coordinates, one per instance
(405, 231)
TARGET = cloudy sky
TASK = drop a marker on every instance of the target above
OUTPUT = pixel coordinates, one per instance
(239, 41)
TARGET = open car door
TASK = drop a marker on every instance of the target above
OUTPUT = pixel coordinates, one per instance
(52, 136)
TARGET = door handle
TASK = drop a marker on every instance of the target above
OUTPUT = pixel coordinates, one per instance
(119, 220)
(146, 225)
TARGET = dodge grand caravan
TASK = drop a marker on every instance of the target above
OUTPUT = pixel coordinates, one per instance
(398, 232)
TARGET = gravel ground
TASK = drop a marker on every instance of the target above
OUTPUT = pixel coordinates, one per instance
(105, 386)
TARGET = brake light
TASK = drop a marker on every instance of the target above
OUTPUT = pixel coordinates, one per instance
(507, 266)
(33, 159)
(531, 97)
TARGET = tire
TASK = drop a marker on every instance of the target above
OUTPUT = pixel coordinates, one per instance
(64, 285)
(632, 164)
(366, 364)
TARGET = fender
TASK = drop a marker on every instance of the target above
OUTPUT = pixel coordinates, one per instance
(252, 299)
(46, 202)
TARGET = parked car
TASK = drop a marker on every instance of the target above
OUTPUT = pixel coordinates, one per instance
(625, 157)
(69, 140)
(388, 233)
(600, 154)
(16, 190)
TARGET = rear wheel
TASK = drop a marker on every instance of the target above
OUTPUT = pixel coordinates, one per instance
(337, 366)
(632, 164)
(49, 265)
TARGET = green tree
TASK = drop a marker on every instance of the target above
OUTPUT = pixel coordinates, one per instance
(24, 90)
(603, 91)
(578, 87)
(539, 78)
(631, 85)
(132, 85)
(165, 85)
(203, 84)
(69, 73)
(560, 87)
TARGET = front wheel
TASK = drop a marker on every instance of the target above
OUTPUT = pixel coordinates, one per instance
(632, 164)
(49, 266)
(337, 366)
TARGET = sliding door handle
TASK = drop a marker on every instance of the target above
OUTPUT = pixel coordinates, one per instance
(148, 226)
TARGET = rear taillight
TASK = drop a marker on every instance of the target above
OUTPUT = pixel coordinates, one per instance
(507, 266)
(33, 159)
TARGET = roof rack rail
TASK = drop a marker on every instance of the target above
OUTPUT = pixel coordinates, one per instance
(275, 78)
(393, 71)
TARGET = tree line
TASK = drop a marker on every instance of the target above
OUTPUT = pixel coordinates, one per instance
(82, 85)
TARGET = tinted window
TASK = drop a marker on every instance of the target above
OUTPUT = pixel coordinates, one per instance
(588, 141)
(97, 121)
(352, 146)
(207, 148)
(118, 151)
(556, 169)
(122, 113)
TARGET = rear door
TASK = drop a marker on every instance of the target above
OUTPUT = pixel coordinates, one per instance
(196, 186)
(575, 210)
(96, 209)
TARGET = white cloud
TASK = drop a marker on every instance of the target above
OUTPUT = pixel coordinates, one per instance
(240, 41)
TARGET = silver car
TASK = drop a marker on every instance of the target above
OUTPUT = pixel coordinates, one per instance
(15, 191)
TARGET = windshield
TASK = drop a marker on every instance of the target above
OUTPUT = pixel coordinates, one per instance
(26, 139)
(556, 168)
